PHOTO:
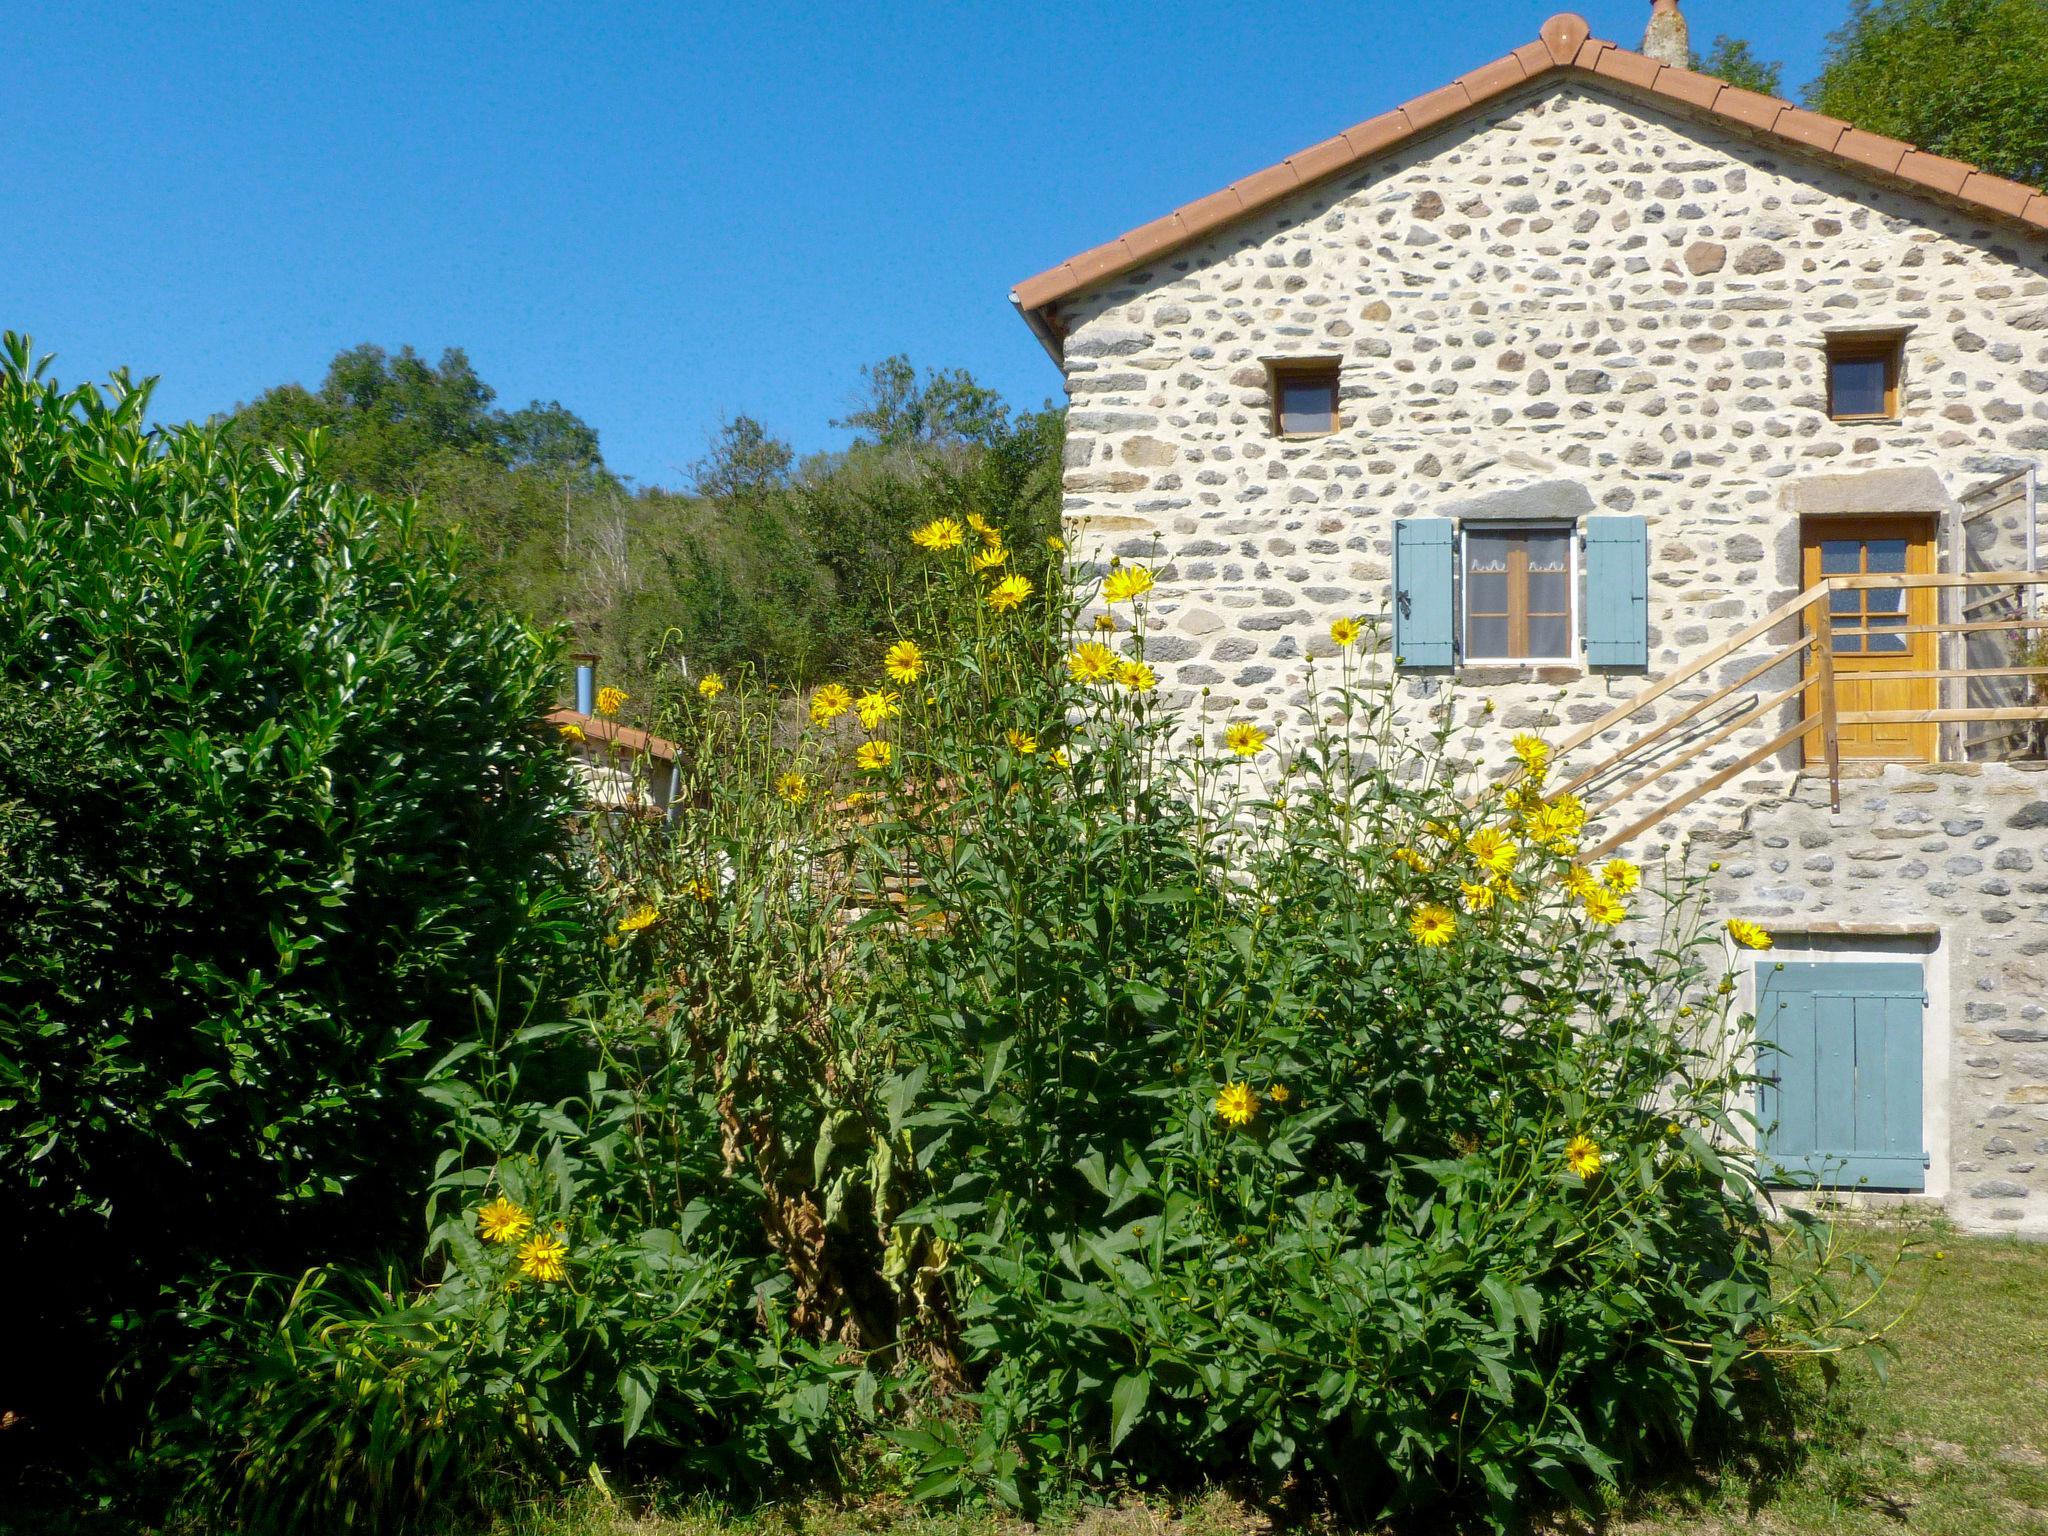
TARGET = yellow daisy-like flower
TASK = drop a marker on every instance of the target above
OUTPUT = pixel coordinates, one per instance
(1582, 1156)
(711, 685)
(1671, 1128)
(642, 917)
(1126, 583)
(1603, 906)
(794, 788)
(1507, 890)
(541, 1256)
(1009, 593)
(1475, 898)
(1245, 739)
(1105, 623)
(1058, 758)
(1580, 882)
(1492, 850)
(1021, 742)
(1571, 811)
(572, 732)
(1055, 543)
(609, 700)
(1236, 1104)
(874, 756)
(698, 887)
(1136, 676)
(1278, 1093)
(989, 559)
(829, 703)
(1432, 925)
(1621, 876)
(1552, 828)
(903, 661)
(1748, 934)
(1534, 752)
(502, 1222)
(939, 533)
(877, 705)
(982, 526)
(1413, 860)
(1345, 631)
(1091, 662)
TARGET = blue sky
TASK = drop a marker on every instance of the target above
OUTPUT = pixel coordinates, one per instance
(664, 214)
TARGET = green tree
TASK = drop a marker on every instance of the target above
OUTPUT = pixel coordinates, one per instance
(902, 407)
(277, 817)
(1964, 78)
(1733, 60)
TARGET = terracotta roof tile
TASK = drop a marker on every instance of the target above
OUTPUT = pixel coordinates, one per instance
(1565, 44)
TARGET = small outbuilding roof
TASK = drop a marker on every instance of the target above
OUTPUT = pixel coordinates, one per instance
(1564, 48)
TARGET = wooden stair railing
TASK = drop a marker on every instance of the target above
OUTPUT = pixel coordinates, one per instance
(1636, 769)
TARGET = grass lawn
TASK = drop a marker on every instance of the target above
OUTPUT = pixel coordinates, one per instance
(1955, 1445)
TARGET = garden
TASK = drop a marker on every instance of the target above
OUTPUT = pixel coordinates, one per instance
(993, 1090)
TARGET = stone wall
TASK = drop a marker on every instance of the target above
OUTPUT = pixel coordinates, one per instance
(1575, 299)
(1952, 859)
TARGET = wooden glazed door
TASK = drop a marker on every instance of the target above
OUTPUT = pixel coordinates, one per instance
(1865, 656)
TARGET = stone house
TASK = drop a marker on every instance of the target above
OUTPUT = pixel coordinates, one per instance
(1699, 433)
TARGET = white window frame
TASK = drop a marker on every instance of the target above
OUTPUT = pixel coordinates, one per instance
(1574, 531)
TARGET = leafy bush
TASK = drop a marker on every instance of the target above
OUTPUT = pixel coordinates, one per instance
(1106, 1092)
(275, 805)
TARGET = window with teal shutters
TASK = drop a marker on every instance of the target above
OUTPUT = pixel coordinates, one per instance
(1617, 592)
(1424, 592)
(1838, 1049)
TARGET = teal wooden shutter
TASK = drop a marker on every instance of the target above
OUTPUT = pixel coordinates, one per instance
(1838, 1047)
(1617, 592)
(1423, 609)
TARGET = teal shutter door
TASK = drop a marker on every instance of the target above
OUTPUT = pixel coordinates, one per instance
(1838, 1047)
(1423, 626)
(1617, 592)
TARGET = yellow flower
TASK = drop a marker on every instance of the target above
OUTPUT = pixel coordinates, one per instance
(1553, 828)
(1245, 739)
(1105, 623)
(982, 526)
(874, 755)
(1603, 906)
(1278, 1093)
(1236, 1104)
(1580, 882)
(1432, 925)
(1091, 662)
(1476, 898)
(1621, 876)
(1492, 850)
(989, 559)
(1136, 676)
(829, 703)
(903, 661)
(541, 1256)
(1008, 593)
(698, 887)
(1671, 1128)
(1345, 631)
(1582, 1156)
(642, 917)
(572, 732)
(1055, 543)
(1533, 751)
(1058, 758)
(1126, 583)
(711, 685)
(939, 533)
(1748, 934)
(609, 700)
(794, 788)
(877, 705)
(1021, 742)
(1507, 890)
(502, 1222)
(1413, 860)
(1571, 811)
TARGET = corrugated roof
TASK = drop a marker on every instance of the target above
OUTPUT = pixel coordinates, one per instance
(1565, 47)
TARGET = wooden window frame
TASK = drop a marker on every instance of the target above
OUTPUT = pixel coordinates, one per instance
(1574, 615)
(1889, 347)
(1304, 369)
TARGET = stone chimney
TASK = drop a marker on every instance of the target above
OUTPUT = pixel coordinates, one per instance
(1667, 41)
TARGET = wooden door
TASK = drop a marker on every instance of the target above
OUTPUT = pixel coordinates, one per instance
(1867, 659)
(1838, 1063)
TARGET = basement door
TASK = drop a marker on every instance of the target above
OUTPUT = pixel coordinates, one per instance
(1875, 668)
(1838, 1051)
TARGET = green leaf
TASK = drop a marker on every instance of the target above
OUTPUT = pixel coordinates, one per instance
(1126, 1401)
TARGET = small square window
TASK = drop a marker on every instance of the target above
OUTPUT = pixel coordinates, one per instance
(1304, 398)
(1863, 377)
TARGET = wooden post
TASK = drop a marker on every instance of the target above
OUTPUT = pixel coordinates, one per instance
(1824, 677)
